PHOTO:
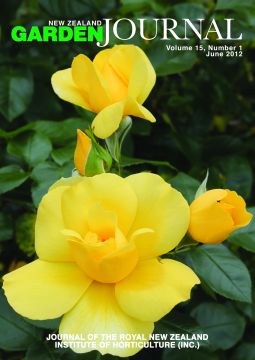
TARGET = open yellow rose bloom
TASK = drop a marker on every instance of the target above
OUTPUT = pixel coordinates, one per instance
(215, 214)
(98, 240)
(114, 85)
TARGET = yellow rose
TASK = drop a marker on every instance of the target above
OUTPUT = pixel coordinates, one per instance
(215, 214)
(90, 158)
(114, 85)
(82, 150)
(98, 240)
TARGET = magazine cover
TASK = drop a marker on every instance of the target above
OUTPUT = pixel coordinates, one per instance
(127, 133)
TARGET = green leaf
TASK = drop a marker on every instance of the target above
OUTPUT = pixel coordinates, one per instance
(6, 227)
(177, 62)
(247, 309)
(170, 62)
(40, 351)
(24, 233)
(238, 173)
(245, 237)
(92, 355)
(61, 132)
(145, 6)
(16, 334)
(76, 8)
(246, 351)
(223, 324)
(38, 191)
(103, 7)
(46, 172)
(45, 324)
(190, 11)
(245, 240)
(73, 9)
(188, 354)
(221, 270)
(202, 188)
(134, 5)
(234, 4)
(11, 176)
(32, 147)
(63, 155)
(16, 89)
(177, 323)
(44, 175)
(186, 185)
(65, 8)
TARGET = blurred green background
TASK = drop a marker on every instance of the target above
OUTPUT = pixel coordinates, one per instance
(205, 120)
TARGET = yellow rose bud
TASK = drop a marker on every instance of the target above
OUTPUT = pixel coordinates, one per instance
(114, 85)
(82, 150)
(98, 266)
(90, 158)
(215, 214)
